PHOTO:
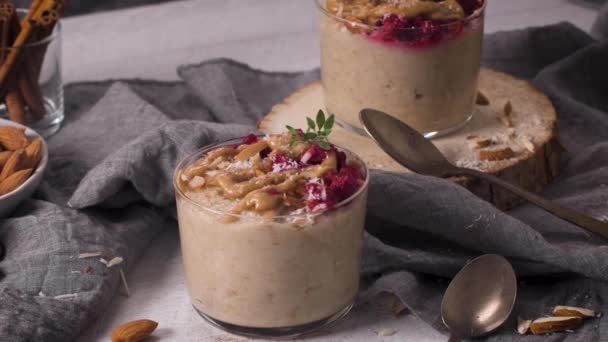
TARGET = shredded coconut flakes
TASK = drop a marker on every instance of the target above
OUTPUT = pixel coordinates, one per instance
(241, 164)
(66, 296)
(385, 332)
(124, 283)
(88, 255)
(115, 261)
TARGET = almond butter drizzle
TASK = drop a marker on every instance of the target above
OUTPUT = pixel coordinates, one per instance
(256, 188)
(262, 200)
(370, 11)
(251, 150)
(214, 157)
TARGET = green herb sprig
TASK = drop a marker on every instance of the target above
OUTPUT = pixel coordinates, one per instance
(317, 132)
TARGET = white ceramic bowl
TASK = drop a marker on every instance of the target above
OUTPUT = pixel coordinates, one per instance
(10, 201)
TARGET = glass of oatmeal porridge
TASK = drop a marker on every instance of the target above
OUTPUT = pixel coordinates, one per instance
(416, 60)
(271, 233)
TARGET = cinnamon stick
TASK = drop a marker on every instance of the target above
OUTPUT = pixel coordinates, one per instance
(13, 101)
(33, 8)
(32, 95)
(19, 71)
(46, 25)
(27, 75)
(15, 106)
(32, 20)
(46, 15)
(5, 18)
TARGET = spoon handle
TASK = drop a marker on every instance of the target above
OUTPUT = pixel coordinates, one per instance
(567, 214)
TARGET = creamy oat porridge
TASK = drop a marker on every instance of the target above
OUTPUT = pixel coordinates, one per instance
(271, 230)
(416, 60)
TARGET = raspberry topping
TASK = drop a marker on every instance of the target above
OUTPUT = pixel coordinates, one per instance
(314, 155)
(319, 205)
(273, 192)
(333, 188)
(416, 31)
(470, 6)
(316, 190)
(281, 162)
(277, 174)
(317, 197)
(421, 31)
(250, 139)
(341, 156)
(344, 183)
(265, 152)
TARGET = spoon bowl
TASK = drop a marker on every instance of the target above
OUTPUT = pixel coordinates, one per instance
(480, 298)
(412, 150)
(404, 144)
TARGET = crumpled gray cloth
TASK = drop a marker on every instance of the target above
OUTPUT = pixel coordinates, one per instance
(600, 27)
(76, 7)
(108, 189)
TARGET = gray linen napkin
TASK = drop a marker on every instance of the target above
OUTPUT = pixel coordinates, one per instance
(114, 161)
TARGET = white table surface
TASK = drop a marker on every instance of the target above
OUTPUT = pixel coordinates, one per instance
(150, 42)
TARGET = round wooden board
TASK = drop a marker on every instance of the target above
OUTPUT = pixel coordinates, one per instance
(532, 136)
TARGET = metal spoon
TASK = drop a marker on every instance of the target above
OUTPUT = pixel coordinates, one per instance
(480, 298)
(410, 149)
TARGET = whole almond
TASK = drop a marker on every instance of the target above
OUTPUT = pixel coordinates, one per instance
(14, 181)
(547, 325)
(33, 154)
(4, 155)
(562, 310)
(13, 164)
(12, 138)
(523, 325)
(133, 331)
(251, 150)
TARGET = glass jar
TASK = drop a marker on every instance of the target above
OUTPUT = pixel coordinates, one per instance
(424, 76)
(36, 82)
(278, 276)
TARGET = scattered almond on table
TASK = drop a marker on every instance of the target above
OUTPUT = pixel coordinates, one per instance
(386, 332)
(19, 158)
(387, 301)
(523, 325)
(565, 318)
(562, 310)
(133, 331)
(547, 325)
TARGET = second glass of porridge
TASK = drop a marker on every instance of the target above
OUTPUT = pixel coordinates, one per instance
(271, 233)
(417, 60)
